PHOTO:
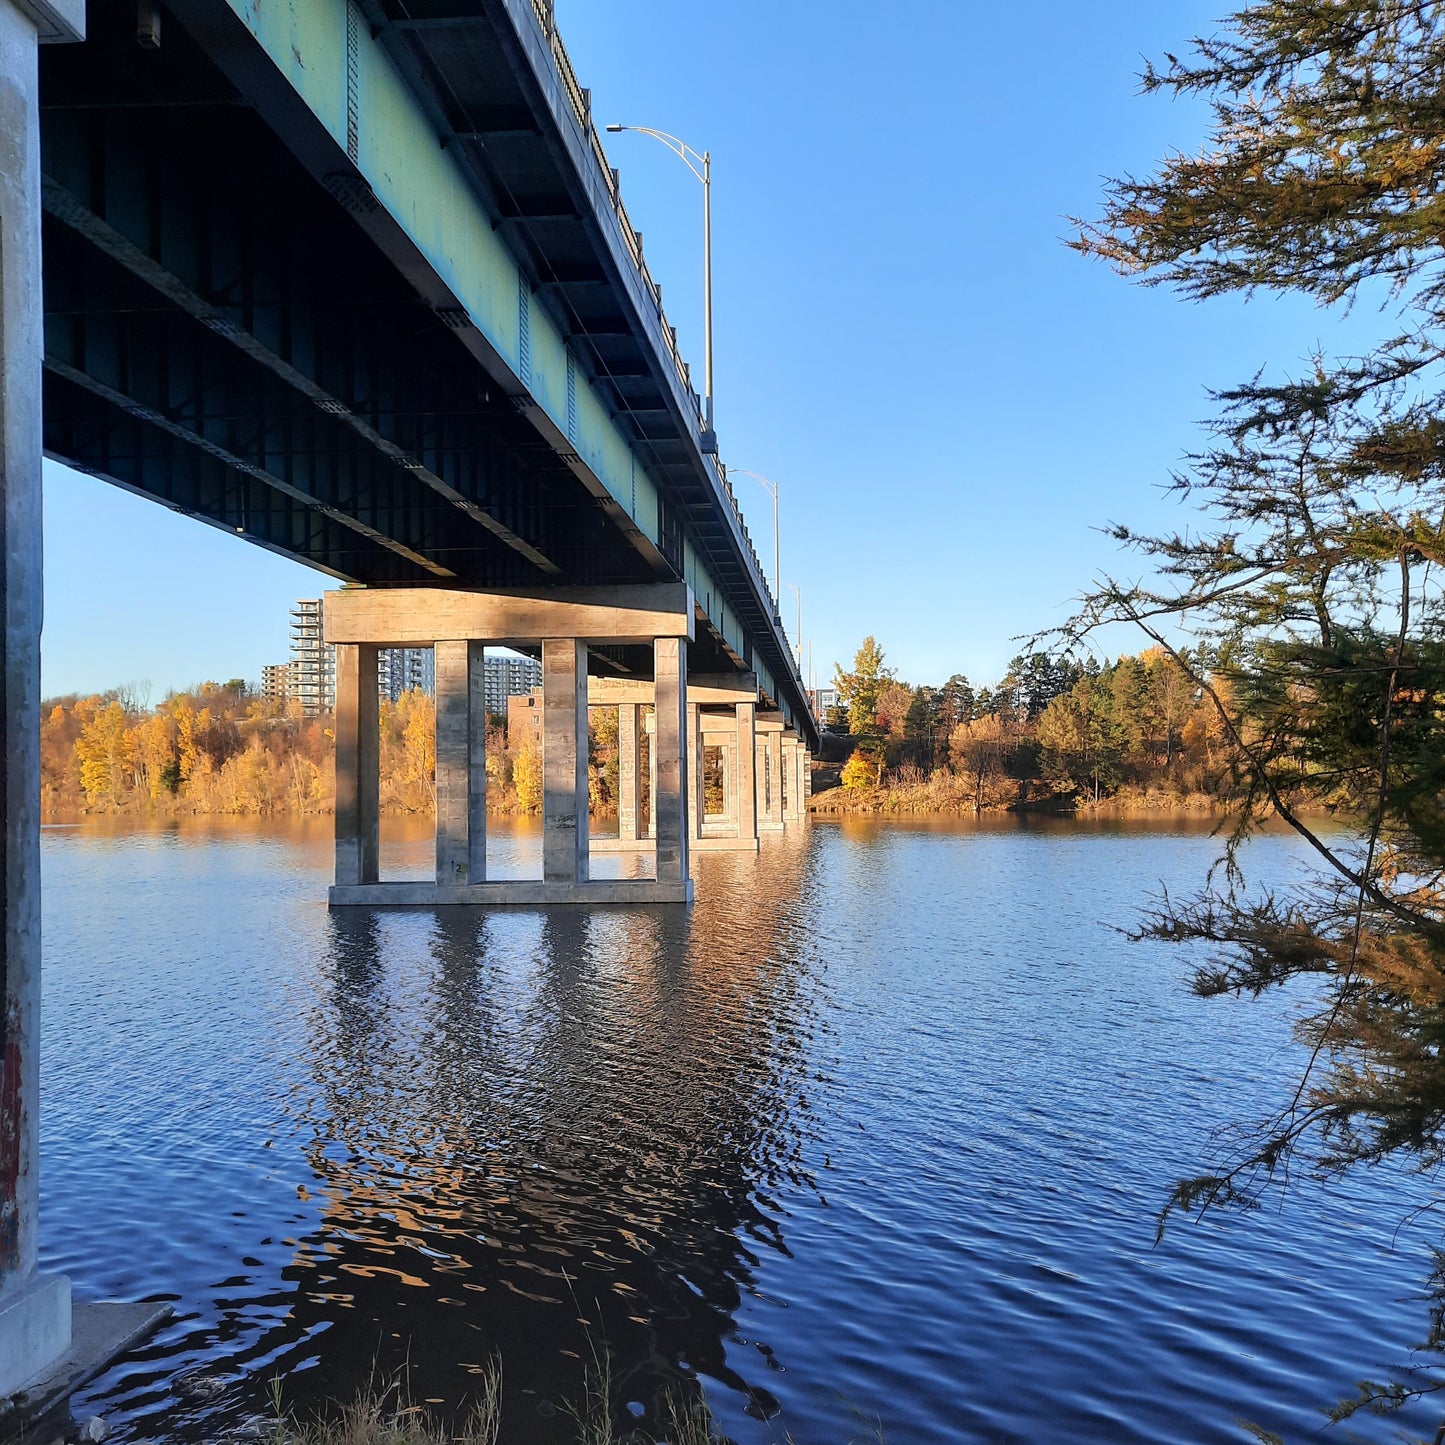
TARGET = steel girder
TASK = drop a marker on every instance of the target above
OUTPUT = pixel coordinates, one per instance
(236, 308)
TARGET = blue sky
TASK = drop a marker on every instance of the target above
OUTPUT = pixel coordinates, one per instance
(951, 401)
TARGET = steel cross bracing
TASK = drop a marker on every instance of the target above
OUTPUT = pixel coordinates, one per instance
(223, 336)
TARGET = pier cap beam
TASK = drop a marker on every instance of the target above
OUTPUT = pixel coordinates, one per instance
(731, 689)
(420, 616)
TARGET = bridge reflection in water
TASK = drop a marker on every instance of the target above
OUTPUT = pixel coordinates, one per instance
(545, 1134)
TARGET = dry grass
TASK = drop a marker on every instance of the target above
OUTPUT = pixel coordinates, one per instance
(384, 1417)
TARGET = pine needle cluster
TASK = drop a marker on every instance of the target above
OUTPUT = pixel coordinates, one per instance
(1308, 602)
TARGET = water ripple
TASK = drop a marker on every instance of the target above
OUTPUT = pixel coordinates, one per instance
(877, 1131)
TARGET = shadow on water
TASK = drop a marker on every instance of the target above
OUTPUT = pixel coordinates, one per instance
(542, 1134)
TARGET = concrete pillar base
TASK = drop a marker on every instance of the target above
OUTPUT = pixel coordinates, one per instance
(721, 843)
(34, 1329)
(521, 893)
(101, 1334)
(622, 845)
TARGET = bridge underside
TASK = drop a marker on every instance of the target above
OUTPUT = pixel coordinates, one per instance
(222, 338)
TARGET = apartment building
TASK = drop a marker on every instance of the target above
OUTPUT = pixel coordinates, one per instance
(310, 677)
(508, 675)
(405, 669)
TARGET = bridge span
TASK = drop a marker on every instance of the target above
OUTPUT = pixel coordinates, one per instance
(353, 280)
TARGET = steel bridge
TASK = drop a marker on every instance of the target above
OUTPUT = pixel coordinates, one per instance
(355, 281)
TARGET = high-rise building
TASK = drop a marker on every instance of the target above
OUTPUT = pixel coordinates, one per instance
(312, 680)
(310, 676)
(406, 669)
(507, 675)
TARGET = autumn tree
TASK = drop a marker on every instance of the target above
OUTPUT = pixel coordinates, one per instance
(1315, 580)
(527, 777)
(860, 691)
(103, 754)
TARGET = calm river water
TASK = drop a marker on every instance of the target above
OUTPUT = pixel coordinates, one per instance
(876, 1132)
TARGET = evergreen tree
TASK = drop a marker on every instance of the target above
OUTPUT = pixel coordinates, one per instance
(1315, 583)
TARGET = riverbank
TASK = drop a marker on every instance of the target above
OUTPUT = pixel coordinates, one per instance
(952, 796)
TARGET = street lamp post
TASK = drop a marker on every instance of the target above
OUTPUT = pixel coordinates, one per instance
(701, 167)
(798, 593)
(773, 488)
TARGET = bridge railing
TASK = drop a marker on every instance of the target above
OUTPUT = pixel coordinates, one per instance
(581, 99)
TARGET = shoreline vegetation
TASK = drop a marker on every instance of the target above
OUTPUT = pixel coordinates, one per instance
(1055, 736)
(1128, 737)
(220, 749)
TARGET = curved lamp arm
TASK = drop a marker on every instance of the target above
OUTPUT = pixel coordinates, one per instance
(693, 160)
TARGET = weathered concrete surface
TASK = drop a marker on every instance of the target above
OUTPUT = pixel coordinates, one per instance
(35, 1313)
(774, 819)
(101, 1334)
(418, 616)
(671, 746)
(745, 780)
(695, 762)
(358, 765)
(702, 688)
(564, 760)
(35, 1328)
(793, 805)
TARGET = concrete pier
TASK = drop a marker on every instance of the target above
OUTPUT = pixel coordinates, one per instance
(34, 1308)
(793, 808)
(669, 748)
(745, 782)
(459, 625)
(773, 822)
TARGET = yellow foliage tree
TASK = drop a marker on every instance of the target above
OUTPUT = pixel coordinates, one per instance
(527, 776)
(153, 753)
(860, 772)
(101, 752)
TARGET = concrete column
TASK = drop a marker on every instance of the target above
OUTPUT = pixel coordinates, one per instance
(671, 736)
(775, 781)
(790, 779)
(461, 763)
(564, 761)
(629, 758)
(652, 779)
(745, 770)
(760, 781)
(34, 1308)
(477, 776)
(697, 796)
(358, 764)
